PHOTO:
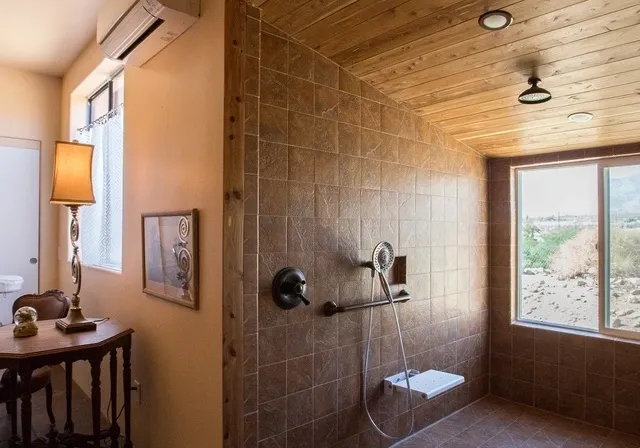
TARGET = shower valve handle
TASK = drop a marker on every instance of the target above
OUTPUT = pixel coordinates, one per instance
(289, 287)
(299, 291)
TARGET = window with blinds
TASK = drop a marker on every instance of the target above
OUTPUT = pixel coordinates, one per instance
(101, 223)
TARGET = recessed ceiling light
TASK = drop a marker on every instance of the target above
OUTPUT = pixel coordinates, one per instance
(580, 117)
(495, 20)
(534, 94)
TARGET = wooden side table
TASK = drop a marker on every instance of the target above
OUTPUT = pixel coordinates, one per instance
(52, 347)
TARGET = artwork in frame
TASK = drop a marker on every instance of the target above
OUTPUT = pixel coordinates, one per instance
(170, 256)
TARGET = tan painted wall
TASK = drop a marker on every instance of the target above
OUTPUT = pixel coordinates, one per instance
(30, 109)
(173, 160)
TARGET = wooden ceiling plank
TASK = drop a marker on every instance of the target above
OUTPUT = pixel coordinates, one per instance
(583, 143)
(386, 21)
(590, 95)
(517, 152)
(614, 60)
(317, 33)
(469, 34)
(559, 125)
(310, 13)
(520, 109)
(551, 118)
(619, 130)
(401, 84)
(566, 58)
(402, 37)
(433, 58)
(573, 82)
(464, 126)
(518, 121)
(568, 52)
(272, 10)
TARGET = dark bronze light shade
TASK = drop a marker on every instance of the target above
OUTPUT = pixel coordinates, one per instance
(534, 94)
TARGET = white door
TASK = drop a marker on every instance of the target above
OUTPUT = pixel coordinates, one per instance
(19, 221)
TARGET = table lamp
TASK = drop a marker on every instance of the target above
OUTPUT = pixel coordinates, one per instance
(73, 187)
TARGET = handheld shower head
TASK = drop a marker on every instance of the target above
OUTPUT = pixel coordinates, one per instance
(381, 263)
(383, 257)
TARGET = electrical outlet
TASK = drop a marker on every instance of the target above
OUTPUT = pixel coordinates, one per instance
(137, 387)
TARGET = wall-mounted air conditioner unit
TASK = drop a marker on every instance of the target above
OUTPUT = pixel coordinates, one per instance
(133, 31)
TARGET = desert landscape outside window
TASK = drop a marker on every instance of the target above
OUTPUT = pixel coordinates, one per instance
(565, 213)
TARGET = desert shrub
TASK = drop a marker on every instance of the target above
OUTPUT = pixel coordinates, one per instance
(625, 252)
(539, 248)
(576, 256)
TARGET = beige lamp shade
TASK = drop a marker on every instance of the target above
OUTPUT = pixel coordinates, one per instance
(72, 183)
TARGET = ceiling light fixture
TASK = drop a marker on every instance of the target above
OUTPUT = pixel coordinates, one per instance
(534, 94)
(580, 117)
(495, 20)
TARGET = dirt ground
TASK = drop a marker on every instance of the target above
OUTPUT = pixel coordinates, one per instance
(574, 302)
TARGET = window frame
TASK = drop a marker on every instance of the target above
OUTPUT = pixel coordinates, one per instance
(107, 264)
(600, 164)
(603, 261)
(108, 85)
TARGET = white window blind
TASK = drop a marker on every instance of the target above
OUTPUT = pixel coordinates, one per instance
(101, 223)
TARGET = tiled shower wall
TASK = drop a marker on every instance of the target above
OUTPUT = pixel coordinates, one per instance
(332, 167)
(582, 376)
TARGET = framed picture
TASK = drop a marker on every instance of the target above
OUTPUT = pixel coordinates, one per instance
(170, 256)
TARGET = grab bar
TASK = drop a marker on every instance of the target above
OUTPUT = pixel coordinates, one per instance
(331, 308)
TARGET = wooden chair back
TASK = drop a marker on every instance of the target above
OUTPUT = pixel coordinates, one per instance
(50, 305)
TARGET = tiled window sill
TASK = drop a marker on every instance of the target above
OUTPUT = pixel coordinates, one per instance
(584, 333)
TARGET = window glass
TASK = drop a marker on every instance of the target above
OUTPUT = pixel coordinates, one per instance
(557, 246)
(99, 105)
(102, 222)
(622, 247)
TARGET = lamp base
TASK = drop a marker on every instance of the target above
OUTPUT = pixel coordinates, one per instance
(75, 322)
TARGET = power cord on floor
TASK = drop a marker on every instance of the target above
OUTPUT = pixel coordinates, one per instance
(108, 414)
(107, 442)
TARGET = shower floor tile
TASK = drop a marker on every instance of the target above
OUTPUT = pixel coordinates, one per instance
(496, 423)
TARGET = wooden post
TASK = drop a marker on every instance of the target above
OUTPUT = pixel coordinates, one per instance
(14, 406)
(235, 24)
(25, 376)
(115, 430)
(126, 382)
(68, 370)
(96, 414)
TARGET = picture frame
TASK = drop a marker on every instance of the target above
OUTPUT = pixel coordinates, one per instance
(170, 262)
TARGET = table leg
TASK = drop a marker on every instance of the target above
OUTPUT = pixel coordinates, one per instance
(115, 429)
(25, 414)
(13, 405)
(126, 379)
(68, 366)
(95, 399)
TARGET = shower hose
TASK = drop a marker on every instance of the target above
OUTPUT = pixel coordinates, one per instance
(387, 291)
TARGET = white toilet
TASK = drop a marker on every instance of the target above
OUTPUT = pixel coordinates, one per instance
(10, 283)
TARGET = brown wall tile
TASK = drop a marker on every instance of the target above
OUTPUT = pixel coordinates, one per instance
(300, 61)
(332, 167)
(273, 88)
(274, 52)
(349, 108)
(325, 135)
(300, 95)
(325, 71)
(273, 124)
